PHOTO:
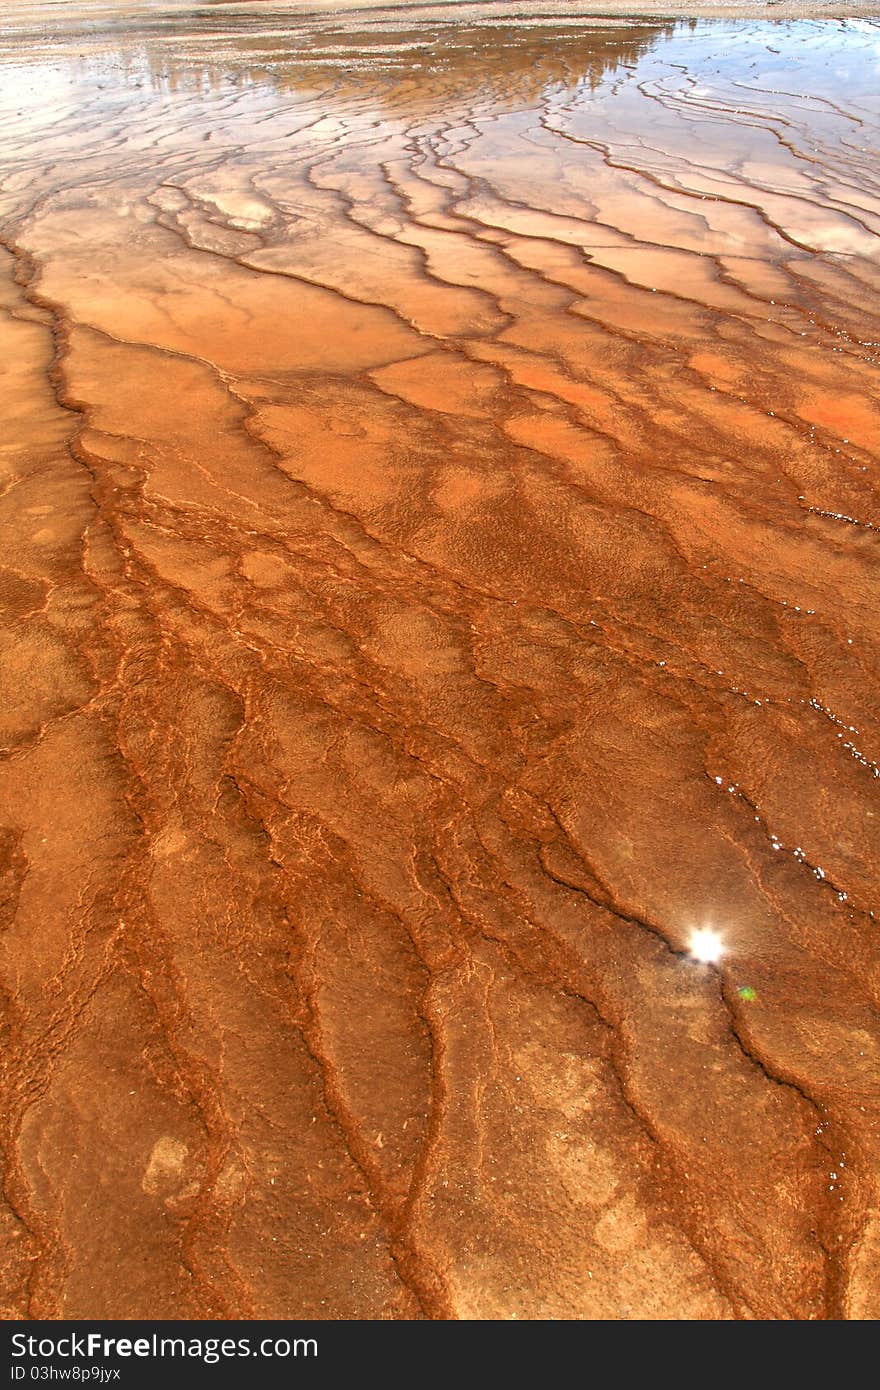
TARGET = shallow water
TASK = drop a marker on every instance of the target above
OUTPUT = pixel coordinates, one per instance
(439, 557)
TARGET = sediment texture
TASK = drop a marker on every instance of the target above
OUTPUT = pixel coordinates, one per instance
(439, 571)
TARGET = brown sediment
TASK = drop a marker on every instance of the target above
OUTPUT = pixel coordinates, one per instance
(439, 568)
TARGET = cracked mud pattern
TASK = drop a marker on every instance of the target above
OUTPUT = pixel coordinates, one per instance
(439, 571)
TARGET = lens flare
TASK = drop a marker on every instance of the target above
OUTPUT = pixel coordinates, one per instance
(706, 945)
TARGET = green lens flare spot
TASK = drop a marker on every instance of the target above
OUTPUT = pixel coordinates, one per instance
(747, 993)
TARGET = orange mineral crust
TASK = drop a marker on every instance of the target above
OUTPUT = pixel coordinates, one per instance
(439, 814)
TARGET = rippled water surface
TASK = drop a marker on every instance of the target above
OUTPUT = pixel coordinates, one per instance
(440, 750)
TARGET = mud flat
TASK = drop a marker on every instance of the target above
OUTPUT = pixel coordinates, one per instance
(439, 562)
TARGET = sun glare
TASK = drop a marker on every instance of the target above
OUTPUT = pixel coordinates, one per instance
(706, 945)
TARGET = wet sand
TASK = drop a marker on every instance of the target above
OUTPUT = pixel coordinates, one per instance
(438, 549)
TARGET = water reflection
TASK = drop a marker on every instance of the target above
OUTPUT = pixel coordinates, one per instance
(511, 64)
(410, 64)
